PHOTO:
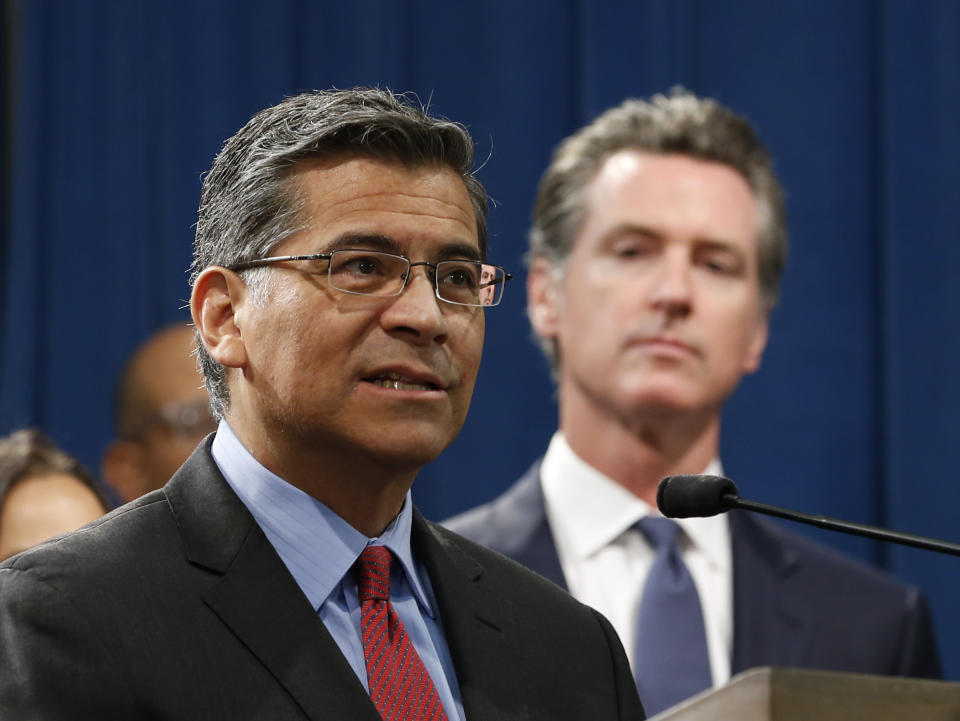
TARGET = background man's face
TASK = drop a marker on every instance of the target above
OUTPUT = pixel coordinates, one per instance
(171, 415)
(659, 308)
(180, 416)
(322, 364)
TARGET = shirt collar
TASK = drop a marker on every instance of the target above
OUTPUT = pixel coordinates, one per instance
(590, 510)
(316, 545)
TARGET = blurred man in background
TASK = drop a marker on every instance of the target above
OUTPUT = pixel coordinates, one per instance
(161, 413)
(657, 247)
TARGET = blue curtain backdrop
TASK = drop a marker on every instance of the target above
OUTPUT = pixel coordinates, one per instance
(119, 107)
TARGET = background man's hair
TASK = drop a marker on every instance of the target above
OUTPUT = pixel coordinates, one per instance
(679, 123)
(249, 202)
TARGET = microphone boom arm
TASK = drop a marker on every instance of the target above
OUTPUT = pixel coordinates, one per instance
(732, 501)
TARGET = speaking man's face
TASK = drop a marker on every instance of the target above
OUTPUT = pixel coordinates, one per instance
(389, 377)
(659, 308)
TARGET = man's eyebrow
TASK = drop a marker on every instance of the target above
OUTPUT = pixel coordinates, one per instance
(719, 244)
(364, 241)
(386, 244)
(639, 229)
(459, 250)
(643, 231)
(618, 231)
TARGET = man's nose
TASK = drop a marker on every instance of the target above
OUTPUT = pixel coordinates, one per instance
(417, 311)
(673, 286)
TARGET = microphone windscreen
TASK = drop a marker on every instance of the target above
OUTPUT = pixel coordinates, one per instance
(693, 496)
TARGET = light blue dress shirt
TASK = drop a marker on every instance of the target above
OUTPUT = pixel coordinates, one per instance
(319, 548)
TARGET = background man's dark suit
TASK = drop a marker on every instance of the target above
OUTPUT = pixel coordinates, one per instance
(796, 603)
(180, 609)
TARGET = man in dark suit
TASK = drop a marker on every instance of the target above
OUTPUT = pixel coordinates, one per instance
(338, 292)
(656, 253)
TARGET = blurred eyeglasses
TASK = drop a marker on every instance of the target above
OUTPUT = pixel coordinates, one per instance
(189, 421)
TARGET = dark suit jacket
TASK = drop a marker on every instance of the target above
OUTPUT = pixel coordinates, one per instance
(796, 603)
(177, 607)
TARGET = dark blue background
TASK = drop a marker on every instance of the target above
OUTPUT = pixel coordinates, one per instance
(119, 107)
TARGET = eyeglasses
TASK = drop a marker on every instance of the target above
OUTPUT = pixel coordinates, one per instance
(371, 272)
(188, 421)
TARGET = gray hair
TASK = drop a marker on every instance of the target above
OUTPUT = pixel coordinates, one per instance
(680, 123)
(249, 202)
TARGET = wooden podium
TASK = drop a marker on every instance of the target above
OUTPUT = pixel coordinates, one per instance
(786, 694)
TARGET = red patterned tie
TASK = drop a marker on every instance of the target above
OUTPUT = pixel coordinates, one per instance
(399, 684)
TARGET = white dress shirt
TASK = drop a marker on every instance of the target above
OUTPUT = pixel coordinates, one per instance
(605, 561)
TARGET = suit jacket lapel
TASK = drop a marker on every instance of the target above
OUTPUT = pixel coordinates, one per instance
(772, 622)
(477, 624)
(257, 598)
(522, 517)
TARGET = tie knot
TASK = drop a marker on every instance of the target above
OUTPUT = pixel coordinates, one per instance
(372, 571)
(660, 532)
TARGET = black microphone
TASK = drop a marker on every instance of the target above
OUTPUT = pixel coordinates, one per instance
(702, 495)
(694, 496)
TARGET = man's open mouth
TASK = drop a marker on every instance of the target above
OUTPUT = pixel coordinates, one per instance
(397, 382)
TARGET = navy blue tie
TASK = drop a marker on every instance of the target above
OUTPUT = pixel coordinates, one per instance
(670, 648)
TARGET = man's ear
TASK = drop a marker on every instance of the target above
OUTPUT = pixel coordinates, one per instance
(217, 298)
(543, 299)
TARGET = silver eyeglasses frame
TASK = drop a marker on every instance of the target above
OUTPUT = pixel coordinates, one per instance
(497, 283)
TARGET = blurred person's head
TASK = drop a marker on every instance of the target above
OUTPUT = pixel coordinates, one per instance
(161, 413)
(658, 243)
(672, 127)
(44, 492)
